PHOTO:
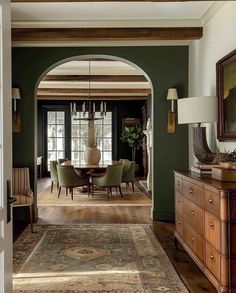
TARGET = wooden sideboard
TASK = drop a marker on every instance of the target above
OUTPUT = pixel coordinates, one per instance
(205, 211)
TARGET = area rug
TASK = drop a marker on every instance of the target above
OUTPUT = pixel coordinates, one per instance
(138, 198)
(91, 258)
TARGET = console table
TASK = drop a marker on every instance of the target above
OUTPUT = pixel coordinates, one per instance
(205, 211)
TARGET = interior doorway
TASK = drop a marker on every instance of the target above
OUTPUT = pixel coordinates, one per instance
(111, 79)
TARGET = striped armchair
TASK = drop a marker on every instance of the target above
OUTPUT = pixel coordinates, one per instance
(21, 191)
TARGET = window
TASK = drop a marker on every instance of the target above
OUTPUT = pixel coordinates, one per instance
(79, 137)
(55, 136)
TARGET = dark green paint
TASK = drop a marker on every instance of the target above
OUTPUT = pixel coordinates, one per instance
(165, 66)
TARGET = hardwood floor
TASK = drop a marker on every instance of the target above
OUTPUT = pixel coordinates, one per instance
(191, 275)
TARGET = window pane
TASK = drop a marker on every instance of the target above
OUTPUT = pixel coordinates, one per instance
(51, 131)
(75, 144)
(107, 131)
(51, 117)
(52, 144)
(60, 131)
(60, 117)
(60, 144)
(52, 156)
(107, 157)
(74, 130)
(107, 144)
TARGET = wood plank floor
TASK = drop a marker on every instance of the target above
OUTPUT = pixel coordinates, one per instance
(194, 279)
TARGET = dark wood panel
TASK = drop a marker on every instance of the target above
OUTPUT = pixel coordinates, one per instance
(66, 91)
(81, 34)
(96, 78)
(95, 98)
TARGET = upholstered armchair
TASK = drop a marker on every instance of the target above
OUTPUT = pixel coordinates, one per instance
(68, 178)
(53, 174)
(22, 192)
(128, 175)
(112, 178)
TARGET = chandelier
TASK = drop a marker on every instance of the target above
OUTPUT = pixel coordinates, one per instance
(88, 107)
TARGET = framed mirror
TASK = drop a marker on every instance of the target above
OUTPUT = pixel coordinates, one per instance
(226, 92)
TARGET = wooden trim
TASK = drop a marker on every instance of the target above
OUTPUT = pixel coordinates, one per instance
(88, 34)
(94, 98)
(96, 78)
(105, 91)
(48, 1)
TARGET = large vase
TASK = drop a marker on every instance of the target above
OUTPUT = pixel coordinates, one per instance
(92, 155)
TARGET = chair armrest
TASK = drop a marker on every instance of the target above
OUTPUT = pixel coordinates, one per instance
(29, 192)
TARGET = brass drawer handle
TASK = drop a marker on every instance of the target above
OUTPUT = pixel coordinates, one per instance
(211, 256)
(191, 191)
(211, 224)
(210, 200)
(192, 238)
(178, 200)
(192, 213)
(179, 222)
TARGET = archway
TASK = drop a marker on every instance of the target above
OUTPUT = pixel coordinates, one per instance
(95, 57)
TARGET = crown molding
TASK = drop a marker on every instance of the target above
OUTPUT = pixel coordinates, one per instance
(211, 11)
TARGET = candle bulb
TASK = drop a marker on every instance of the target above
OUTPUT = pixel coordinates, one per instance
(74, 107)
(105, 107)
(71, 109)
(94, 108)
(83, 107)
(14, 105)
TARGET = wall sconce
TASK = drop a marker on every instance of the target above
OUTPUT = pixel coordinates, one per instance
(16, 122)
(172, 96)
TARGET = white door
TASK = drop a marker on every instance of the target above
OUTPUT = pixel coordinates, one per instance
(5, 149)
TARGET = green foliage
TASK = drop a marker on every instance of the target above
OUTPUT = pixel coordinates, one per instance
(133, 136)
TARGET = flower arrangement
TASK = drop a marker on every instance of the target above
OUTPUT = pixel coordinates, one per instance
(228, 159)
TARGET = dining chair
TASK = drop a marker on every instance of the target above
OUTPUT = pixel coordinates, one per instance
(128, 174)
(68, 178)
(53, 174)
(111, 178)
(22, 192)
(60, 161)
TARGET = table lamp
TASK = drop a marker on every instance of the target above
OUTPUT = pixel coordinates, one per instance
(197, 110)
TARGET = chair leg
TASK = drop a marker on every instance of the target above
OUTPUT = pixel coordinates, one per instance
(108, 193)
(120, 191)
(57, 185)
(133, 186)
(72, 195)
(31, 217)
(116, 190)
(59, 192)
(51, 186)
(66, 191)
(111, 190)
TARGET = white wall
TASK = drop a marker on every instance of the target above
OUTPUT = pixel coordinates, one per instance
(219, 38)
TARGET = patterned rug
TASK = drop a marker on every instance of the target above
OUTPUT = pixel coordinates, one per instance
(138, 198)
(91, 258)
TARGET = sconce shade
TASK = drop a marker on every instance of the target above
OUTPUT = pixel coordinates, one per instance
(197, 110)
(16, 94)
(172, 94)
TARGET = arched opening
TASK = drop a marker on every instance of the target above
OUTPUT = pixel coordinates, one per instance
(47, 96)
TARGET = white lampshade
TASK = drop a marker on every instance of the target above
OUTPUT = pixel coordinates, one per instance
(172, 94)
(197, 110)
(16, 94)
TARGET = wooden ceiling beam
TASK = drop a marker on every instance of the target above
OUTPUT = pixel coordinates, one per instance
(90, 34)
(105, 91)
(96, 78)
(94, 98)
(48, 1)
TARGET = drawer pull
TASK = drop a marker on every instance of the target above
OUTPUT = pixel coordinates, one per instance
(178, 200)
(190, 191)
(211, 256)
(178, 183)
(192, 238)
(210, 200)
(179, 222)
(192, 213)
(211, 224)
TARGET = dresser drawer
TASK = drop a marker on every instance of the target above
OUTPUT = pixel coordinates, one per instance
(178, 203)
(178, 184)
(212, 203)
(212, 259)
(195, 241)
(193, 215)
(179, 224)
(212, 230)
(193, 192)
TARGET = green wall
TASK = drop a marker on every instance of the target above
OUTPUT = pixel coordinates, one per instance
(165, 66)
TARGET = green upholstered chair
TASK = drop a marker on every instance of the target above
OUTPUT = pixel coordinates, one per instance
(21, 191)
(128, 175)
(68, 178)
(53, 173)
(112, 178)
(60, 161)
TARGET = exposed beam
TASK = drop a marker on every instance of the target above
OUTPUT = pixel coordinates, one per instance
(89, 34)
(94, 98)
(96, 78)
(46, 1)
(105, 91)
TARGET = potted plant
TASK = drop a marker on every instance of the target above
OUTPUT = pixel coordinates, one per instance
(133, 135)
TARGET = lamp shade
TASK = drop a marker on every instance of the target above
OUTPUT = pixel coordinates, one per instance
(16, 94)
(172, 94)
(197, 110)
